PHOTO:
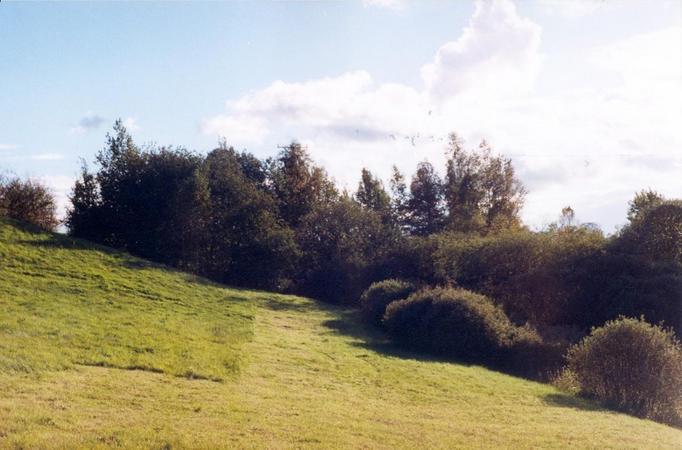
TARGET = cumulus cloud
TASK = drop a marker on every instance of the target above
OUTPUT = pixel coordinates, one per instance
(574, 8)
(131, 124)
(47, 157)
(90, 121)
(496, 54)
(388, 4)
(568, 143)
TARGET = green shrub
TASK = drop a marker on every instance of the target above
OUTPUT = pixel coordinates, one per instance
(633, 366)
(28, 201)
(451, 322)
(377, 297)
(532, 275)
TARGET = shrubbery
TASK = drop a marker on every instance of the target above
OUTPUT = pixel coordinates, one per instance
(378, 296)
(633, 366)
(28, 201)
(453, 322)
(530, 274)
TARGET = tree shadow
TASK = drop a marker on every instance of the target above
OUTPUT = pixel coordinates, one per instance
(61, 243)
(282, 303)
(349, 323)
(574, 402)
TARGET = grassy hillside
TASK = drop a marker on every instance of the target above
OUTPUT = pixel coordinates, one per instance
(98, 349)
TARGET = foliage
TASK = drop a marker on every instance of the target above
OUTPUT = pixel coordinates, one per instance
(425, 202)
(530, 274)
(247, 244)
(481, 190)
(399, 199)
(210, 215)
(28, 201)
(451, 322)
(643, 201)
(372, 195)
(378, 295)
(631, 365)
(297, 184)
(656, 232)
(343, 247)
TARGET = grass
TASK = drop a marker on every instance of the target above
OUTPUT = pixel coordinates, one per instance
(293, 373)
(66, 303)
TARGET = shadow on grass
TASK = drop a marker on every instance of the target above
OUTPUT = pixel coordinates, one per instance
(573, 402)
(370, 338)
(349, 323)
(57, 242)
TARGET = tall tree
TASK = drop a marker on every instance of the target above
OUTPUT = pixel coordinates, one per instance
(343, 245)
(372, 195)
(481, 189)
(425, 204)
(399, 199)
(297, 184)
(248, 245)
(464, 191)
(505, 193)
(83, 218)
(643, 202)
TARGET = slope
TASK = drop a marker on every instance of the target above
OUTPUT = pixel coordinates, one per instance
(99, 349)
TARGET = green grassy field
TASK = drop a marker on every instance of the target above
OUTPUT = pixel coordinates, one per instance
(99, 349)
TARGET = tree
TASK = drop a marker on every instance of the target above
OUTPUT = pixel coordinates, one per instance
(504, 192)
(297, 184)
(372, 195)
(28, 201)
(399, 199)
(83, 218)
(464, 191)
(426, 201)
(342, 245)
(567, 219)
(482, 192)
(248, 245)
(643, 201)
(657, 232)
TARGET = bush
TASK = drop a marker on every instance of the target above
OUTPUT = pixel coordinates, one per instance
(28, 201)
(530, 274)
(377, 297)
(633, 366)
(452, 322)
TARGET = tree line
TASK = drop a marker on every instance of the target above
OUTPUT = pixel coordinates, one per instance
(281, 223)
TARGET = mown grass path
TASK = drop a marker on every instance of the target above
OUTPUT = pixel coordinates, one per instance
(308, 376)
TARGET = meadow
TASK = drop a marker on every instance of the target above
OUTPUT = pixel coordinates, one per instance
(99, 349)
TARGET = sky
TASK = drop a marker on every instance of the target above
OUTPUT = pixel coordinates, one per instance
(585, 97)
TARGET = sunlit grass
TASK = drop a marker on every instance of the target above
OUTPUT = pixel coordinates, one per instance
(294, 373)
(65, 304)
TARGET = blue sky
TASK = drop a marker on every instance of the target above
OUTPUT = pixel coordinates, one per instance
(586, 97)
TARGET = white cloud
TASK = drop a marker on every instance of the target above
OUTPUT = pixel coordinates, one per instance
(7, 147)
(60, 186)
(497, 54)
(131, 124)
(388, 4)
(590, 144)
(90, 121)
(47, 156)
(574, 8)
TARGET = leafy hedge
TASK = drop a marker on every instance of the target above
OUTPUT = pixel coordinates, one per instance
(456, 323)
